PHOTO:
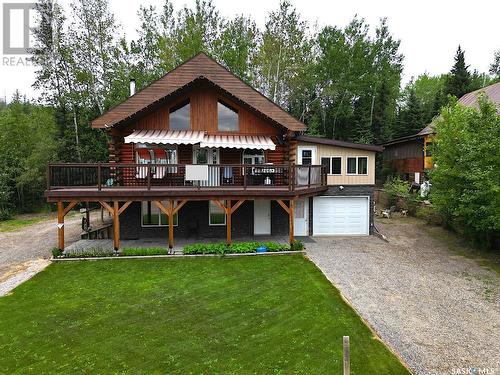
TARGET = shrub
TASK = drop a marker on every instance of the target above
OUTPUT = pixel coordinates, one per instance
(297, 245)
(243, 247)
(396, 189)
(56, 252)
(430, 215)
(238, 247)
(273, 246)
(90, 253)
(144, 251)
(205, 248)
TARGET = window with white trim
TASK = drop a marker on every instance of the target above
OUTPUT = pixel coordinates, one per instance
(357, 165)
(362, 165)
(306, 156)
(152, 216)
(336, 165)
(216, 215)
(333, 164)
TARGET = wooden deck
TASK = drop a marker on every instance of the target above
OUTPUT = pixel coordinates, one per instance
(141, 182)
(93, 194)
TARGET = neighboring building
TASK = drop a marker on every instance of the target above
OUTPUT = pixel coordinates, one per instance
(411, 156)
(199, 153)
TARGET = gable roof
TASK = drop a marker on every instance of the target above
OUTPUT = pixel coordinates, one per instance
(334, 142)
(492, 92)
(469, 100)
(204, 67)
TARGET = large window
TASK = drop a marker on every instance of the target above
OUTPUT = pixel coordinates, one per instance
(227, 117)
(333, 164)
(336, 165)
(152, 216)
(363, 165)
(357, 165)
(179, 116)
(216, 215)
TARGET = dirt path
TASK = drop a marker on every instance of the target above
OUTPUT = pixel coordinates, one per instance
(19, 248)
(438, 310)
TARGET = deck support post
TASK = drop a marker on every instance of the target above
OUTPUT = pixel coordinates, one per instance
(229, 209)
(171, 224)
(290, 210)
(61, 213)
(228, 222)
(60, 226)
(116, 225)
(172, 208)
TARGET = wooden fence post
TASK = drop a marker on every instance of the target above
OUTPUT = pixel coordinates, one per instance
(347, 361)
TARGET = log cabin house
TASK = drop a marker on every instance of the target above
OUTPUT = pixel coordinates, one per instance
(199, 153)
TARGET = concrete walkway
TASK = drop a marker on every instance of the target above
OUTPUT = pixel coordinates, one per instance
(437, 310)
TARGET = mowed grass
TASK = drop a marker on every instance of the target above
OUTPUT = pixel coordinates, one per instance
(231, 315)
(12, 225)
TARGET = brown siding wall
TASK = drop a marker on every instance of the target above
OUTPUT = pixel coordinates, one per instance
(227, 155)
(203, 107)
(230, 156)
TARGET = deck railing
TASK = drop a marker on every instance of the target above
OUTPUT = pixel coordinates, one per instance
(147, 176)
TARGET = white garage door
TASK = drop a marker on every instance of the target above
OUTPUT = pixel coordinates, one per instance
(340, 215)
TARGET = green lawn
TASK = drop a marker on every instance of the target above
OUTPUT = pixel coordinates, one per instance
(263, 314)
(11, 225)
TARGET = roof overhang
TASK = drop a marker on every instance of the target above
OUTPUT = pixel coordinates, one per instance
(337, 143)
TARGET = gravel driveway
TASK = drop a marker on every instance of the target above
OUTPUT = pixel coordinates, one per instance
(18, 249)
(437, 310)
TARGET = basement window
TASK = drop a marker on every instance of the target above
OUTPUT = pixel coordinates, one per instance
(216, 215)
(152, 216)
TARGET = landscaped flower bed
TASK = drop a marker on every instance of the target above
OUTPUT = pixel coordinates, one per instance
(99, 252)
(240, 247)
(200, 248)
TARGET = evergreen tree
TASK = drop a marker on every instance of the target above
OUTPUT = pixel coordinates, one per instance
(495, 65)
(410, 117)
(458, 82)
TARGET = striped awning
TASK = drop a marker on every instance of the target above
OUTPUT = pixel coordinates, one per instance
(191, 137)
(166, 137)
(238, 141)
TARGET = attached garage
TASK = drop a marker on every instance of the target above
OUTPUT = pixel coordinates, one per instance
(341, 215)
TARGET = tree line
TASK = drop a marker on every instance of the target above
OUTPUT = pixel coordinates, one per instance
(343, 82)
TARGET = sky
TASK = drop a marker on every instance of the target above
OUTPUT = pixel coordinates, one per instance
(430, 30)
